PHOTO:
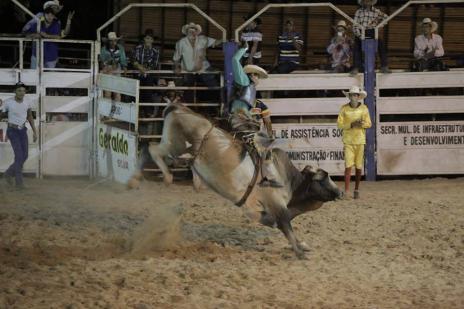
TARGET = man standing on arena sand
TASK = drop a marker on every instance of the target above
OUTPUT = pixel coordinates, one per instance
(19, 111)
(354, 119)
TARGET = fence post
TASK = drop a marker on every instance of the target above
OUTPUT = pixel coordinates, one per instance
(229, 50)
(369, 46)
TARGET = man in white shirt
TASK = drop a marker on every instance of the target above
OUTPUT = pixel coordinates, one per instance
(428, 46)
(190, 54)
(19, 111)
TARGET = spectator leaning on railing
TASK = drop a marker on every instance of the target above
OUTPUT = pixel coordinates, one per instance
(369, 17)
(50, 28)
(428, 46)
(190, 55)
(113, 59)
(340, 49)
(289, 45)
(146, 57)
(253, 36)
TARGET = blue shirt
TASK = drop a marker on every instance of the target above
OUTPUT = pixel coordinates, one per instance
(50, 48)
(287, 50)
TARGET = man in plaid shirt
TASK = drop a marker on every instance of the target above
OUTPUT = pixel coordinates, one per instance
(369, 17)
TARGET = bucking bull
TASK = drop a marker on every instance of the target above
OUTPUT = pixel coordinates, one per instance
(224, 164)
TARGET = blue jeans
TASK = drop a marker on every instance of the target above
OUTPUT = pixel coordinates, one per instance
(20, 144)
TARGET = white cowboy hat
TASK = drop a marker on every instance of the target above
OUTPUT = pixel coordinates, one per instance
(251, 68)
(355, 90)
(341, 23)
(373, 2)
(191, 25)
(53, 3)
(112, 36)
(429, 21)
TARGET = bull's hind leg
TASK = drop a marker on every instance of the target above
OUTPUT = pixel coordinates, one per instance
(158, 152)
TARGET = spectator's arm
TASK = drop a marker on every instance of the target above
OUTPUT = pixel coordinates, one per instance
(30, 27)
(341, 122)
(66, 30)
(331, 46)
(276, 56)
(104, 57)
(123, 59)
(419, 50)
(253, 50)
(213, 42)
(3, 110)
(240, 77)
(30, 119)
(136, 62)
(439, 52)
(357, 19)
(177, 57)
(366, 119)
(298, 43)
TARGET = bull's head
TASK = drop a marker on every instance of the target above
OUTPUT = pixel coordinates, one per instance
(318, 185)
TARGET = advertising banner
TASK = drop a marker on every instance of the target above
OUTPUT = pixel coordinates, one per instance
(117, 153)
(318, 145)
(420, 148)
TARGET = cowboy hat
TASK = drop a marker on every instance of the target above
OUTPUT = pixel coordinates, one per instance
(251, 68)
(191, 25)
(341, 23)
(434, 24)
(257, 20)
(112, 36)
(54, 3)
(355, 90)
(361, 1)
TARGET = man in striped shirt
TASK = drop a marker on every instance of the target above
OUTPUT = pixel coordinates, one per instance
(369, 17)
(289, 47)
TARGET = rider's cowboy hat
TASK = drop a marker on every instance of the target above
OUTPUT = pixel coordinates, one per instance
(355, 90)
(434, 24)
(360, 2)
(251, 68)
(112, 36)
(191, 25)
(54, 3)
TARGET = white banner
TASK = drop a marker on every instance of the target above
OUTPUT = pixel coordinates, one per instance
(117, 153)
(319, 145)
(420, 148)
(118, 110)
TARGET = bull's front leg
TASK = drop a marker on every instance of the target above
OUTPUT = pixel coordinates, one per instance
(283, 223)
(158, 153)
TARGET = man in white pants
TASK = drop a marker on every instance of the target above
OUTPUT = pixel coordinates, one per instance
(19, 111)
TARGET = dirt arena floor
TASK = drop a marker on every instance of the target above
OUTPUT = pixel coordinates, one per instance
(80, 244)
